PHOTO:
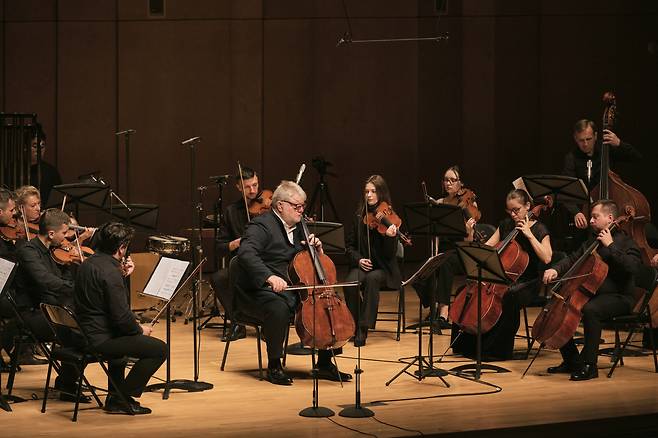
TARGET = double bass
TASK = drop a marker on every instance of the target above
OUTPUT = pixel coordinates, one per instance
(323, 320)
(631, 202)
(514, 259)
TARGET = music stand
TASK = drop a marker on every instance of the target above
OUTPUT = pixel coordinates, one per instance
(481, 263)
(563, 189)
(427, 219)
(7, 271)
(154, 290)
(91, 194)
(143, 215)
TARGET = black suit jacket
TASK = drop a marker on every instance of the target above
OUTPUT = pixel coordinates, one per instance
(623, 259)
(265, 250)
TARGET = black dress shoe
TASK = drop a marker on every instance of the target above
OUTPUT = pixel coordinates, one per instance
(114, 405)
(69, 396)
(331, 372)
(278, 377)
(563, 368)
(588, 371)
(30, 359)
(443, 323)
(238, 332)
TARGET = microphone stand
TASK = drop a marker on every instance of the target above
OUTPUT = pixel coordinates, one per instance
(357, 410)
(126, 141)
(315, 410)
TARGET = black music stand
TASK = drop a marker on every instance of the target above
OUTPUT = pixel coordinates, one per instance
(7, 271)
(91, 194)
(169, 384)
(143, 215)
(427, 219)
(481, 263)
(563, 189)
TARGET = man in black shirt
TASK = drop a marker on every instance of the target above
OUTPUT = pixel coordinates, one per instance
(41, 280)
(49, 174)
(269, 244)
(228, 241)
(584, 160)
(614, 296)
(8, 252)
(101, 301)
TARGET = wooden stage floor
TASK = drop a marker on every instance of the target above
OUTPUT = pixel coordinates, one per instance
(241, 405)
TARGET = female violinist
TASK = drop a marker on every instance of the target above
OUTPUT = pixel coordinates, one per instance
(372, 258)
(28, 204)
(613, 297)
(436, 290)
(533, 238)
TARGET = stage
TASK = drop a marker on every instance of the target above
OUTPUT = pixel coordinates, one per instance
(241, 405)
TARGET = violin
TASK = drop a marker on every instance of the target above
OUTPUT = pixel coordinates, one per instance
(14, 230)
(68, 252)
(466, 201)
(262, 203)
(514, 259)
(382, 218)
(323, 320)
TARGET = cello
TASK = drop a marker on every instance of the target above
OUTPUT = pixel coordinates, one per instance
(514, 259)
(323, 320)
(631, 202)
(559, 319)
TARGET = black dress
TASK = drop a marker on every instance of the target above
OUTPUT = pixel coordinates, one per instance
(498, 343)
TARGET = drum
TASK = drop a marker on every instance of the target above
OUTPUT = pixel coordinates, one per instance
(168, 245)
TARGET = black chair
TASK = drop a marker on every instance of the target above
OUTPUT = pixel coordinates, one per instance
(61, 319)
(636, 321)
(240, 319)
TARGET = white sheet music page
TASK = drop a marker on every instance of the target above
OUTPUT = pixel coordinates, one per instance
(165, 278)
(5, 271)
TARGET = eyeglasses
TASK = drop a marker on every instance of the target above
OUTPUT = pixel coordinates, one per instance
(450, 180)
(296, 207)
(514, 210)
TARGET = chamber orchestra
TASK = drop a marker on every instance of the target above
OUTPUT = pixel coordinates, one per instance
(277, 273)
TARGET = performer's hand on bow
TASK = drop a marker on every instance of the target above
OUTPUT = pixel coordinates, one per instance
(277, 283)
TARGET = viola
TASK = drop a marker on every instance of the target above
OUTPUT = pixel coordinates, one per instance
(382, 218)
(323, 320)
(559, 319)
(466, 200)
(514, 260)
(68, 252)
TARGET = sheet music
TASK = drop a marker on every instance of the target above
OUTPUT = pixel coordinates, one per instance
(5, 272)
(165, 278)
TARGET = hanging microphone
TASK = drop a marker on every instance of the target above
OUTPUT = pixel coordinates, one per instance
(126, 132)
(219, 179)
(345, 39)
(302, 168)
(190, 140)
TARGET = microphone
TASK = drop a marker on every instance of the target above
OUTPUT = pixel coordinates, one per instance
(428, 198)
(589, 170)
(77, 228)
(345, 39)
(302, 168)
(126, 132)
(219, 179)
(190, 140)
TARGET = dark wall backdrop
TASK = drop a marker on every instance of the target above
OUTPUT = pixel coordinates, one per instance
(263, 82)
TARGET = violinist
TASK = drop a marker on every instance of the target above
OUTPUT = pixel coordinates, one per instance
(438, 287)
(28, 204)
(40, 280)
(372, 258)
(614, 296)
(533, 237)
(235, 221)
(269, 244)
(7, 219)
(584, 160)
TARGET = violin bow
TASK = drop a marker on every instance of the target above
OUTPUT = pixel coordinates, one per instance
(244, 195)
